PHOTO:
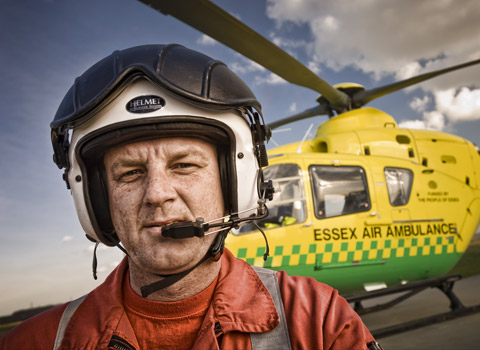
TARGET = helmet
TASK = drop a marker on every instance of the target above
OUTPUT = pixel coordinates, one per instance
(153, 91)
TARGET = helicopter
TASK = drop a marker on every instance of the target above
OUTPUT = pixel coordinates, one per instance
(364, 204)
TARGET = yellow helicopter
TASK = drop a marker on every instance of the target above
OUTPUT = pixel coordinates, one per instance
(364, 204)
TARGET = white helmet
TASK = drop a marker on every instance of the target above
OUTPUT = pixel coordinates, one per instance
(154, 91)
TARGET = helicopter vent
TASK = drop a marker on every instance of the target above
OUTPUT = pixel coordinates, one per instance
(322, 147)
(403, 139)
(449, 160)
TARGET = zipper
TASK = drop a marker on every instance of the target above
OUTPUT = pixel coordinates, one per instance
(117, 343)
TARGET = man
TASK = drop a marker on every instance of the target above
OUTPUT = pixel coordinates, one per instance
(162, 149)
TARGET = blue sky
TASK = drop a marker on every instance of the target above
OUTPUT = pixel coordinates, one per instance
(45, 44)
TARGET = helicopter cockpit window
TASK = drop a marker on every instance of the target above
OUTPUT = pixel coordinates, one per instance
(288, 204)
(339, 190)
(399, 185)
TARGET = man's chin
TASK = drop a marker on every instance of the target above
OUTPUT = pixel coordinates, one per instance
(168, 264)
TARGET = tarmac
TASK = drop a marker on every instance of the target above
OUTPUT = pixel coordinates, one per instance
(456, 334)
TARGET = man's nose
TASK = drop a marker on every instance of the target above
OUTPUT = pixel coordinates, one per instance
(159, 189)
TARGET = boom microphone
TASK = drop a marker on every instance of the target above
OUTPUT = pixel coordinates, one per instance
(188, 229)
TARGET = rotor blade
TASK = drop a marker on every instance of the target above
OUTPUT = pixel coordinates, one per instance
(308, 113)
(210, 19)
(361, 98)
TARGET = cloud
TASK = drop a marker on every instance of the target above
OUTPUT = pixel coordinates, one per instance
(246, 66)
(388, 37)
(433, 120)
(288, 45)
(205, 40)
(327, 24)
(396, 40)
(314, 67)
(451, 106)
(459, 105)
(262, 76)
(293, 107)
(269, 79)
(409, 70)
(413, 124)
(420, 104)
(67, 239)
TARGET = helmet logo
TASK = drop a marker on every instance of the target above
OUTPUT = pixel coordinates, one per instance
(145, 104)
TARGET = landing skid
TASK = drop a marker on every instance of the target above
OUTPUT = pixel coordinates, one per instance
(444, 283)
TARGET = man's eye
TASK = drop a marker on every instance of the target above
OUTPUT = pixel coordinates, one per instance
(131, 174)
(185, 166)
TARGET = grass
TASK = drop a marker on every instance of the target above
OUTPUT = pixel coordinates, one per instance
(4, 328)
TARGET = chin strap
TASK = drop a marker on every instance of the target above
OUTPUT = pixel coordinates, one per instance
(215, 252)
(168, 280)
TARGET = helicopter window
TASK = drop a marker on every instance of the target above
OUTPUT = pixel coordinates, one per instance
(288, 204)
(399, 184)
(339, 190)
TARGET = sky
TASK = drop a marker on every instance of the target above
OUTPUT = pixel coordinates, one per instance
(45, 44)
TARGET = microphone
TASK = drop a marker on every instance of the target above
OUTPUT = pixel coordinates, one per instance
(185, 229)
(197, 228)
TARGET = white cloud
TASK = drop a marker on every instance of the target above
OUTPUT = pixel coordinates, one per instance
(293, 107)
(396, 39)
(314, 67)
(459, 105)
(246, 66)
(413, 124)
(67, 239)
(205, 40)
(269, 79)
(327, 24)
(434, 120)
(451, 106)
(409, 70)
(288, 44)
(389, 37)
(420, 104)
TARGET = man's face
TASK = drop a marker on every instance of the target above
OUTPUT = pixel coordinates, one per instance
(154, 183)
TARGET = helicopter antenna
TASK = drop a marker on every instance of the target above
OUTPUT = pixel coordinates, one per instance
(276, 132)
(299, 149)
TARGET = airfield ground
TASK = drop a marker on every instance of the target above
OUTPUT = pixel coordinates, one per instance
(458, 334)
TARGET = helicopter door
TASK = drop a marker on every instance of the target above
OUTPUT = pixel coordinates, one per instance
(342, 202)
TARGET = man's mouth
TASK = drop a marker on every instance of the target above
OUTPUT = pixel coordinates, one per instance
(158, 225)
